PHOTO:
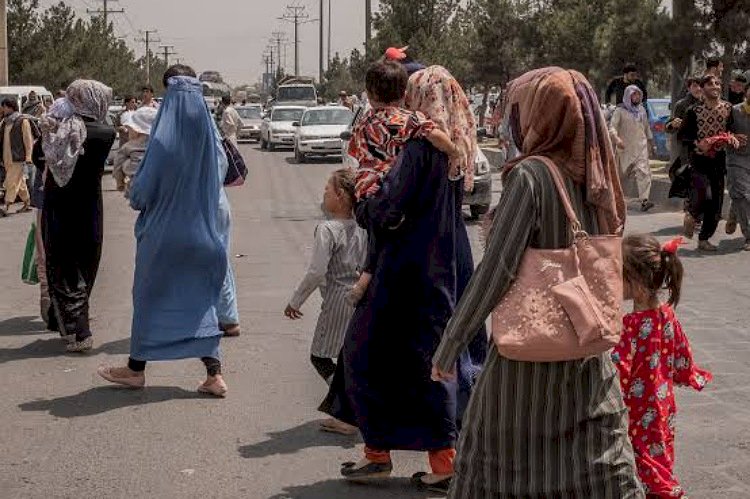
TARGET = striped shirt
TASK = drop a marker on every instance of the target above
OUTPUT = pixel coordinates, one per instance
(556, 429)
(338, 255)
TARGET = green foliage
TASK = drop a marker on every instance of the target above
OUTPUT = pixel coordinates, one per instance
(53, 47)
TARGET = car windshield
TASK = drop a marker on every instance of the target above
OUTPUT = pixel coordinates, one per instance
(287, 114)
(660, 109)
(249, 113)
(327, 117)
(296, 93)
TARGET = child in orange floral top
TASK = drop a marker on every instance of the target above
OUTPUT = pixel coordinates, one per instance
(380, 136)
(652, 356)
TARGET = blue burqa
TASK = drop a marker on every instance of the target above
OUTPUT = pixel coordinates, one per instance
(181, 261)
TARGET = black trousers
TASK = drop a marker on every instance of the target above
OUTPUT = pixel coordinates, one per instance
(325, 366)
(213, 366)
(707, 198)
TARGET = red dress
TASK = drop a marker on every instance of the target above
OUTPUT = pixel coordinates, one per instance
(652, 356)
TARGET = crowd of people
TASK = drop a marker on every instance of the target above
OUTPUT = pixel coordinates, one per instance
(543, 405)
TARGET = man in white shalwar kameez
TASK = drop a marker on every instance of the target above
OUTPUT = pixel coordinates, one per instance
(631, 134)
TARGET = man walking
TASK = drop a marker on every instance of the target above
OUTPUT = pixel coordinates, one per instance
(17, 146)
(703, 125)
(737, 84)
(618, 85)
(34, 106)
(230, 120)
(632, 135)
(738, 168)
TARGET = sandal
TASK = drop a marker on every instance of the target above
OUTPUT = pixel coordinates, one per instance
(432, 482)
(129, 381)
(333, 425)
(230, 330)
(365, 470)
(217, 388)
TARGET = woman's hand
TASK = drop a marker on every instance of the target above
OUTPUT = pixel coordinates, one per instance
(293, 313)
(438, 375)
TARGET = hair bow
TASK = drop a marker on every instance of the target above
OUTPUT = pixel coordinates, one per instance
(672, 246)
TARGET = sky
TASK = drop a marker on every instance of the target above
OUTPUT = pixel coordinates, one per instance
(230, 36)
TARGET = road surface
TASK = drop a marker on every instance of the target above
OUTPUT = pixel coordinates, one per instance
(66, 433)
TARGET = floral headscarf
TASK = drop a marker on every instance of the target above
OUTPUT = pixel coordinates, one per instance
(437, 94)
(63, 129)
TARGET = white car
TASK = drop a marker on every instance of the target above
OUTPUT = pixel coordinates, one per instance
(318, 133)
(252, 120)
(277, 129)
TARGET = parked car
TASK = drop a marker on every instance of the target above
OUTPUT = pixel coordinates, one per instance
(318, 133)
(658, 115)
(478, 200)
(277, 130)
(252, 120)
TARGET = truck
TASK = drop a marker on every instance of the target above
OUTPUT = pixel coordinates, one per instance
(296, 91)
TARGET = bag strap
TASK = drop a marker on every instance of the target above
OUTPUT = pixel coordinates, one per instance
(562, 191)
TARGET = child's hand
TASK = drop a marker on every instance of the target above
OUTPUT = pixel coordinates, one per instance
(293, 313)
(438, 375)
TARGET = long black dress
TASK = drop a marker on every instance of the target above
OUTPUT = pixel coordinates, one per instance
(72, 227)
(383, 382)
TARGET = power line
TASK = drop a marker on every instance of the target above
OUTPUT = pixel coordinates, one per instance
(296, 14)
(148, 41)
(105, 11)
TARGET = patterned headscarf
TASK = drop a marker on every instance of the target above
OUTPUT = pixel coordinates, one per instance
(437, 94)
(627, 102)
(555, 113)
(63, 129)
(90, 99)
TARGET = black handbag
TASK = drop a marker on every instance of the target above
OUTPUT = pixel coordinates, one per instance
(237, 171)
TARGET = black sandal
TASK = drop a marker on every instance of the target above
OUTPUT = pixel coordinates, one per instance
(440, 487)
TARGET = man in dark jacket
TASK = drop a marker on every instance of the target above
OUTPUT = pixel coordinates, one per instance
(618, 85)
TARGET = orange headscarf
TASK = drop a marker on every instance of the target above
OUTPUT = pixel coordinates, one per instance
(555, 113)
(437, 94)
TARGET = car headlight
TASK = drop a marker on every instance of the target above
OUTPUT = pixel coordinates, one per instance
(482, 168)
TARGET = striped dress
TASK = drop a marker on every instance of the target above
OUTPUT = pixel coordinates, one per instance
(339, 253)
(535, 430)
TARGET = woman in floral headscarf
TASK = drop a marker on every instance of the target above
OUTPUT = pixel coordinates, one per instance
(438, 95)
(76, 142)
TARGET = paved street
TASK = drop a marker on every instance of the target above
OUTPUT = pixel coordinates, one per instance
(66, 433)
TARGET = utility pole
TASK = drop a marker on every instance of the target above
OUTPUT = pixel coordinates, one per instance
(368, 27)
(3, 43)
(267, 62)
(148, 41)
(105, 11)
(296, 14)
(168, 50)
(329, 33)
(279, 38)
(320, 53)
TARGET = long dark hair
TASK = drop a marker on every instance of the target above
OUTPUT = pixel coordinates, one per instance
(646, 263)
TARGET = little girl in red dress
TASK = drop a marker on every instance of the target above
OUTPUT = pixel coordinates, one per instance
(652, 356)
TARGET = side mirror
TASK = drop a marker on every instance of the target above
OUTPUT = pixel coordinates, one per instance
(296, 124)
(346, 135)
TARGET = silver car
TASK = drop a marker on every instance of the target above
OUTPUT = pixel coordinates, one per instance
(252, 120)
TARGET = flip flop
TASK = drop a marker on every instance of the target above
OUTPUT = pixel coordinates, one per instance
(130, 382)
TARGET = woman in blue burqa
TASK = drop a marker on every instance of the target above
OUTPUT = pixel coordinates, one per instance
(182, 232)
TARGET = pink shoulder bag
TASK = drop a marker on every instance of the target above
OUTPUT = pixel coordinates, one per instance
(565, 304)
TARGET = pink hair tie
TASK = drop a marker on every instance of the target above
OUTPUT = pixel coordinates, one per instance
(672, 246)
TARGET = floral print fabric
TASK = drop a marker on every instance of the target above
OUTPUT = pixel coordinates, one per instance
(653, 355)
(378, 139)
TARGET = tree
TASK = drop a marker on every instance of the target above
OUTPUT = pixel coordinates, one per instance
(53, 47)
